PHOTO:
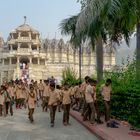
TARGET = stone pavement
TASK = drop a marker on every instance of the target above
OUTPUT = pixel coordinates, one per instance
(105, 133)
(18, 127)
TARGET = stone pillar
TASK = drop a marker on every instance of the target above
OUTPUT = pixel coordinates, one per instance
(30, 46)
(46, 62)
(30, 59)
(3, 62)
(19, 34)
(18, 46)
(12, 36)
(10, 61)
(30, 37)
(38, 62)
(37, 47)
(37, 37)
(17, 59)
(11, 47)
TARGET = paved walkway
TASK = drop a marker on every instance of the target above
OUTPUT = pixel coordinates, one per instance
(18, 127)
(104, 132)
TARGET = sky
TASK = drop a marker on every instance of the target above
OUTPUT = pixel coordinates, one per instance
(43, 15)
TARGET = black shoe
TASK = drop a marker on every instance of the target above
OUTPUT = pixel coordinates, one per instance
(52, 124)
(99, 122)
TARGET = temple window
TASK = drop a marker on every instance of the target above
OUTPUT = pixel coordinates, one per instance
(42, 61)
(34, 61)
(6, 61)
(34, 47)
(33, 36)
(24, 45)
(24, 34)
(14, 61)
(14, 47)
(15, 35)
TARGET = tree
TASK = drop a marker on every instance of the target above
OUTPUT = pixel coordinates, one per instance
(118, 17)
(68, 27)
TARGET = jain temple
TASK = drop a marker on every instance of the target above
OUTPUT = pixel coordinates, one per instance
(26, 56)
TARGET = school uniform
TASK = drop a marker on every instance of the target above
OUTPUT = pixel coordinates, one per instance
(41, 89)
(2, 100)
(83, 101)
(53, 97)
(60, 99)
(77, 95)
(10, 91)
(31, 105)
(105, 92)
(66, 101)
(18, 96)
(96, 105)
(45, 97)
(89, 97)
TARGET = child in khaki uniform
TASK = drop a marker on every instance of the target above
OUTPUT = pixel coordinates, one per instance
(53, 99)
(66, 101)
(2, 101)
(83, 89)
(31, 103)
(41, 88)
(18, 95)
(45, 93)
(95, 103)
(89, 97)
(105, 92)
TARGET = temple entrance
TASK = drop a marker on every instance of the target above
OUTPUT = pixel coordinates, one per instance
(24, 68)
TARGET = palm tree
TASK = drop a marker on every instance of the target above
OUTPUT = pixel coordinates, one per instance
(68, 27)
(118, 18)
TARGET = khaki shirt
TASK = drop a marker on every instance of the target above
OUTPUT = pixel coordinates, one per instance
(77, 92)
(66, 96)
(53, 97)
(83, 88)
(105, 92)
(94, 90)
(18, 91)
(46, 91)
(89, 93)
(40, 86)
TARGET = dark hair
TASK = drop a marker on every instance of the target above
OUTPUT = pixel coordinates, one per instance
(65, 84)
(109, 81)
(52, 84)
(58, 87)
(87, 77)
(91, 80)
(3, 87)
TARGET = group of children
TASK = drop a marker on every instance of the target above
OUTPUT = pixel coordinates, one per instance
(81, 97)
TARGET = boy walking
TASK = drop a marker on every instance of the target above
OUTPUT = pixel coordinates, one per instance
(53, 98)
(89, 97)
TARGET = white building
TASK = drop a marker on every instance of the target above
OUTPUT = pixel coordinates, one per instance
(26, 57)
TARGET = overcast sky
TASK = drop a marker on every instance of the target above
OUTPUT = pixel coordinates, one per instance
(44, 15)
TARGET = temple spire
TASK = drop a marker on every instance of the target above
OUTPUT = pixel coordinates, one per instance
(25, 19)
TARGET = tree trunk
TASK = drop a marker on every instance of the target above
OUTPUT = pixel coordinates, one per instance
(99, 59)
(138, 53)
(80, 61)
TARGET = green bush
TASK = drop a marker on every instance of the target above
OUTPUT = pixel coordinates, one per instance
(69, 76)
(125, 99)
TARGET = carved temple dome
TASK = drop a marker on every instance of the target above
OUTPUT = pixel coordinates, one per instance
(25, 28)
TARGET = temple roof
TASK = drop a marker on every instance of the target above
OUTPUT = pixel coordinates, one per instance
(26, 28)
